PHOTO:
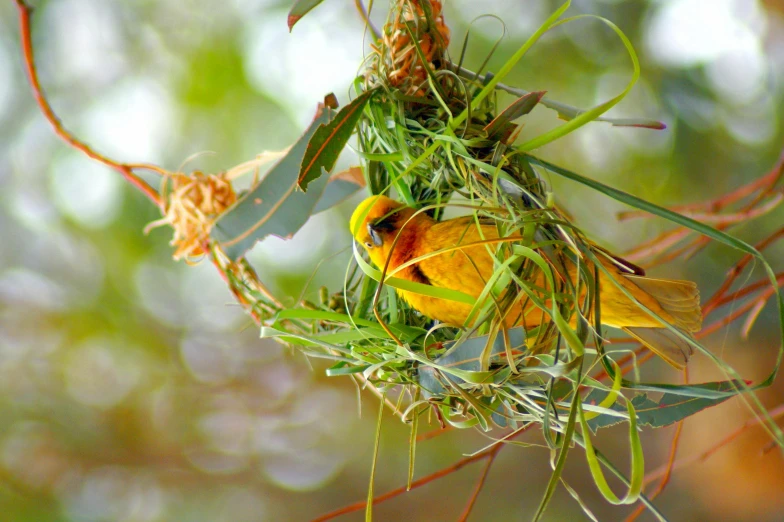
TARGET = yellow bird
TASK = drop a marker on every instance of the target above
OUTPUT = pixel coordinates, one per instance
(379, 221)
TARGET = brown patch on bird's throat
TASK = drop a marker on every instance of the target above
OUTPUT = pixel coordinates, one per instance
(405, 249)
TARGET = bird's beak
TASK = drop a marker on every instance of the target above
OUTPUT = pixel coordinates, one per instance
(374, 235)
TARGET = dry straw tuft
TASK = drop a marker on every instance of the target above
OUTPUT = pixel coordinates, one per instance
(399, 61)
(195, 202)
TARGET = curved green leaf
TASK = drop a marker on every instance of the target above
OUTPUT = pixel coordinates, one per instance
(670, 408)
(465, 355)
(637, 460)
(595, 112)
(300, 9)
(329, 140)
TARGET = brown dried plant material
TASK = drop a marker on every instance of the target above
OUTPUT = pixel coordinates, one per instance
(194, 204)
(398, 60)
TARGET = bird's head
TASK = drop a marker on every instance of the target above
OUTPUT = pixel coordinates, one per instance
(375, 224)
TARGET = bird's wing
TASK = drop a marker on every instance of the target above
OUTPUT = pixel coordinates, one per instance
(626, 267)
(466, 269)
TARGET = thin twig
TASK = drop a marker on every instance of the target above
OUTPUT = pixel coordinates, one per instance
(705, 455)
(359, 506)
(717, 325)
(657, 245)
(32, 74)
(670, 463)
(365, 15)
(248, 306)
(746, 290)
(434, 433)
(480, 484)
(563, 109)
(735, 272)
(710, 212)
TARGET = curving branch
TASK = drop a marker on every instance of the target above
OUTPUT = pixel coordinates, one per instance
(480, 483)
(126, 170)
(457, 466)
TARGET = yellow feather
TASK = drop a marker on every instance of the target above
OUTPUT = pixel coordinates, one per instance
(391, 231)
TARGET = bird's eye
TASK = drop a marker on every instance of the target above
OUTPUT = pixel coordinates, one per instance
(368, 244)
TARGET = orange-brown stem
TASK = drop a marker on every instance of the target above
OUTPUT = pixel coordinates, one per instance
(735, 272)
(479, 484)
(32, 74)
(457, 466)
(669, 466)
(774, 413)
(765, 184)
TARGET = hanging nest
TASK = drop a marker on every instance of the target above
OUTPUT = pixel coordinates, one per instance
(422, 97)
(413, 43)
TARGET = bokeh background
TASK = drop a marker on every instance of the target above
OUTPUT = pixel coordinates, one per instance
(132, 388)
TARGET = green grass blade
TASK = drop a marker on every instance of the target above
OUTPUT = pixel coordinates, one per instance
(597, 111)
(376, 445)
(638, 464)
(507, 67)
(561, 461)
(411, 286)
(412, 440)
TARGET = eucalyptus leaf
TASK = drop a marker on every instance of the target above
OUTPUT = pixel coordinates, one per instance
(501, 126)
(300, 9)
(329, 139)
(465, 355)
(275, 206)
(337, 191)
(669, 409)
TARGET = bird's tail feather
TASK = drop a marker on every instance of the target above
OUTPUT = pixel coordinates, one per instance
(680, 299)
(665, 343)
